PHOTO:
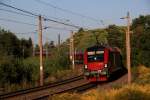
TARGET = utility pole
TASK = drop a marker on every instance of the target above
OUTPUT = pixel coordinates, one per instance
(41, 50)
(23, 50)
(72, 51)
(47, 48)
(128, 48)
(33, 49)
(58, 40)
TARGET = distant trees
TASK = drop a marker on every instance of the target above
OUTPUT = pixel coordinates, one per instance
(49, 44)
(116, 36)
(10, 45)
(26, 47)
(15, 71)
(18, 67)
(141, 41)
(84, 39)
(12, 50)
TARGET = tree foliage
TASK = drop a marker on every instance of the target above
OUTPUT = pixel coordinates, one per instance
(12, 52)
(10, 45)
(141, 41)
(116, 36)
(84, 39)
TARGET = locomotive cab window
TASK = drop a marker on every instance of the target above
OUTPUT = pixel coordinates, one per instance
(95, 56)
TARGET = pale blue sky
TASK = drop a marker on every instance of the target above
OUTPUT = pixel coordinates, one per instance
(107, 10)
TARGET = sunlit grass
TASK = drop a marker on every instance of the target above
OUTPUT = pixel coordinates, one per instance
(141, 75)
(138, 90)
(62, 75)
(132, 92)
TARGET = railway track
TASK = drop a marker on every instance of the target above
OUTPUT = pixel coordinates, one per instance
(77, 83)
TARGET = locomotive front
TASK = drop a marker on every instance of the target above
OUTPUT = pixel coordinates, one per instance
(96, 63)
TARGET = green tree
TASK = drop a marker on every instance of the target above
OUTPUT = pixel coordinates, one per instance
(84, 39)
(116, 36)
(9, 43)
(26, 47)
(141, 40)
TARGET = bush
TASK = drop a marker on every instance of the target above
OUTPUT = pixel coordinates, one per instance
(15, 72)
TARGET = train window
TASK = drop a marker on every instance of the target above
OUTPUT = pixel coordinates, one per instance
(96, 56)
(91, 53)
(99, 52)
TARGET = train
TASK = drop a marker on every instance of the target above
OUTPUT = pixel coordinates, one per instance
(102, 62)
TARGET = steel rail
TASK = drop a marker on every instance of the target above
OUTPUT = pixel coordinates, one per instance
(35, 89)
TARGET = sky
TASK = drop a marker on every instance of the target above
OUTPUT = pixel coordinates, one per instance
(88, 14)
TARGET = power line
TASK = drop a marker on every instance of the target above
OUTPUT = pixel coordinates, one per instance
(57, 18)
(58, 28)
(32, 16)
(46, 19)
(19, 22)
(18, 9)
(44, 28)
(14, 12)
(67, 11)
(27, 33)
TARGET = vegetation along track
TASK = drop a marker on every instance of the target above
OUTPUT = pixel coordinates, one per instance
(77, 83)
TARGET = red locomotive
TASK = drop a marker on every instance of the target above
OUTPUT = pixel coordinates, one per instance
(101, 62)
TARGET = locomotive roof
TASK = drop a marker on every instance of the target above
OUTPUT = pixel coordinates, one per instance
(101, 47)
(96, 47)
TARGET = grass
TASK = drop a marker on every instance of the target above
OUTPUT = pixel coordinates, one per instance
(138, 90)
(142, 76)
(61, 75)
(132, 92)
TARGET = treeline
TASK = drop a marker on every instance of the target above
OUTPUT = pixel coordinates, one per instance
(11, 46)
(115, 36)
(12, 52)
(141, 41)
(20, 69)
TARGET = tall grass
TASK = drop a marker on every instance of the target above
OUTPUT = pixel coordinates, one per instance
(141, 75)
(132, 92)
(138, 90)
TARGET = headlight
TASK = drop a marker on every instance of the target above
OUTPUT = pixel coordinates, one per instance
(99, 71)
(105, 65)
(85, 66)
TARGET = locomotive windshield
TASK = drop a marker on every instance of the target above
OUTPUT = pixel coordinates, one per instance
(94, 56)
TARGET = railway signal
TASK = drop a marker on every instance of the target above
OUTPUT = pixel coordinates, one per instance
(128, 48)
